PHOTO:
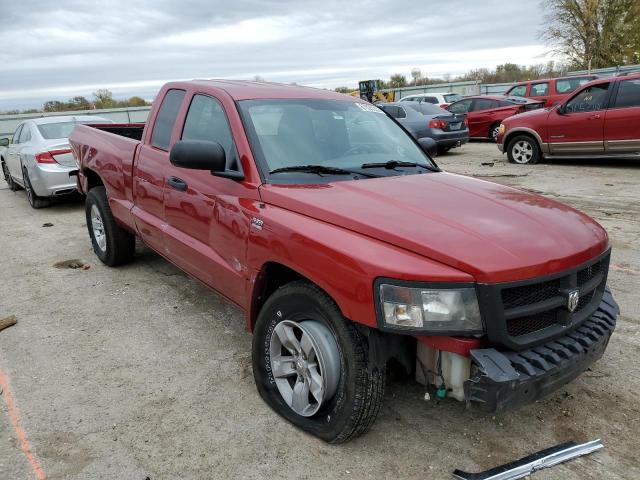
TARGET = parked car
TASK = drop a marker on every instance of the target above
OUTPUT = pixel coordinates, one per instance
(601, 120)
(549, 90)
(352, 248)
(441, 99)
(430, 121)
(39, 159)
(486, 112)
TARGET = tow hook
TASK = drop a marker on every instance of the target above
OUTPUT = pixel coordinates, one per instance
(534, 462)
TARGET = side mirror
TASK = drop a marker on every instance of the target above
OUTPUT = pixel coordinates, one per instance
(429, 146)
(562, 109)
(4, 142)
(201, 155)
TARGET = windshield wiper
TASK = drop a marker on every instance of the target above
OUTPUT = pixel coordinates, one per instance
(392, 164)
(320, 169)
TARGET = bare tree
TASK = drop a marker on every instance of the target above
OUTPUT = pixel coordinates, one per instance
(416, 74)
(593, 33)
(397, 80)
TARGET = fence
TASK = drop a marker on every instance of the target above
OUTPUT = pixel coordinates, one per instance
(9, 123)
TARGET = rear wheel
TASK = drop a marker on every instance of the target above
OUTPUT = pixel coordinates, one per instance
(443, 150)
(312, 366)
(494, 131)
(34, 200)
(523, 150)
(111, 243)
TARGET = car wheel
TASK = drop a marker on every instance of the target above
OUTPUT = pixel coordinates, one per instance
(34, 200)
(312, 366)
(494, 131)
(111, 243)
(443, 150)
(13, 186)
(523, 150)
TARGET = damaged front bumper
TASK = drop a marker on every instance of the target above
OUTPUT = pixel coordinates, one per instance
(502, 380)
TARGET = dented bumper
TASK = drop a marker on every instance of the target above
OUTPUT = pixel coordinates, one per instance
(502, 380)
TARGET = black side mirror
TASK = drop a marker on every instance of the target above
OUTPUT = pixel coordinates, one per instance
(4, 142)
(429, 146)
(202, 155)
(562, 109)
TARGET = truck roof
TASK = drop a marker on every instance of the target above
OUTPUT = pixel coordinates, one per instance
(245, 90)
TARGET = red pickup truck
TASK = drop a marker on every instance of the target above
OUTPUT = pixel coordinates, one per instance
(600, 120)
(349, 251)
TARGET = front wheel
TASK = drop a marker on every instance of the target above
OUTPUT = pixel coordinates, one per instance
(111, 243)
(312, 366)
(523, 150)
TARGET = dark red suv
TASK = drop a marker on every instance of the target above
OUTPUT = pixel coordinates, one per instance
(549, 90)
(600, 120)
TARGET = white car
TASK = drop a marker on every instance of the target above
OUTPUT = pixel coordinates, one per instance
(39, 159)
(442, 99)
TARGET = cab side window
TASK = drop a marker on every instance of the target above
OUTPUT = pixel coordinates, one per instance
(207, 121)
(518, 91)
(460, 107)
(628, 94)
(16, 136)
(539, 89)
(166, 119)
(590, 99)
(25, 135)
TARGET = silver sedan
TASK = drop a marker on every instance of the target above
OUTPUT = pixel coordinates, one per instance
(39, 159)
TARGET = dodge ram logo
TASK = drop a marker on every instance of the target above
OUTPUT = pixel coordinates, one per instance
(572, 300)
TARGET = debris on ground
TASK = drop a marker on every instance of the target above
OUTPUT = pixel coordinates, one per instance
(488, 164)
(8, 321)
(73, 264)
(47, 224)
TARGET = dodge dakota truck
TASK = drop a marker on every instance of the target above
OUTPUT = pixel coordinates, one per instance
(349, 251)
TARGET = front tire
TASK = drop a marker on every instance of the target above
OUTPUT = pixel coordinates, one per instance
(34, 200)
(13, 186)
(312, 366)
(111, 243)
(523, 150)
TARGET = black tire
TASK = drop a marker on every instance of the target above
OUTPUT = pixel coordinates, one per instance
(443, 150)
(515, 150)
(493, 131)
(352, 410)
(120, 245)
(34, 200)
(13, 186)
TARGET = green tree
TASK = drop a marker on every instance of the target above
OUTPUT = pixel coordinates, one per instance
(344, 89)
(397, 80)
(104, 99)
(136, 102)
(593, 33)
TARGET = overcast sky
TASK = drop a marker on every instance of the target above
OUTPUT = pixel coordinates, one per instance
(55, 49)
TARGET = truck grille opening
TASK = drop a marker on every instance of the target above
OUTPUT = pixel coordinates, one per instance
(535, 307)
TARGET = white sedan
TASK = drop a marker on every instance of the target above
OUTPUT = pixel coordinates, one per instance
(39, 159)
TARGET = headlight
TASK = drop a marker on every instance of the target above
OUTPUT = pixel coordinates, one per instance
(432, 310)
(501, 129)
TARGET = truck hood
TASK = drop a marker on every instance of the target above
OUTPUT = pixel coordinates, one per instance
(490, 231)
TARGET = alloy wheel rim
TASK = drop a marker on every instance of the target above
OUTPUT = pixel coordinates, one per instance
(98, 228)
(27, 188)
(522, 152)
(305, 363)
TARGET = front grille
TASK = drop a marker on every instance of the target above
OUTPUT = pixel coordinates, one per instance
(521, 314)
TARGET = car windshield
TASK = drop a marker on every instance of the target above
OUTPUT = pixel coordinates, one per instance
(453, 97)
(286, 135)
(56, 130)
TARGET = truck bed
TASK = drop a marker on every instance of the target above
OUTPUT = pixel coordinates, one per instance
(111, 150)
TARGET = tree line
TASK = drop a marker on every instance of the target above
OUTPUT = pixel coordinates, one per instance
(101, 99)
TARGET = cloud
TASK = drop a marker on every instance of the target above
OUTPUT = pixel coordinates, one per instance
(72, 47)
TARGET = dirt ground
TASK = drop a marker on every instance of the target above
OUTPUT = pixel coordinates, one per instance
(141, 373)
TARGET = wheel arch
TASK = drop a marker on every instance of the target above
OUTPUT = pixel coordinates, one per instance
(524, 131)
(90, 179)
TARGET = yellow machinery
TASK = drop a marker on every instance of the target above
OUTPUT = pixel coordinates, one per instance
(370, 91)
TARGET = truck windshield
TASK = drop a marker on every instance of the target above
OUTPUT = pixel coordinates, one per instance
(287, 135)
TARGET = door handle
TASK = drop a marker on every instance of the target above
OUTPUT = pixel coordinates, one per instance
(594, 117)
(177, 183)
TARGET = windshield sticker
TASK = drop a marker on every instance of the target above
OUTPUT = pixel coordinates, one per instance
(369, 108)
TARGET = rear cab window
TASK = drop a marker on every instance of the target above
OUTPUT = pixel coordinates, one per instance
(166, 119)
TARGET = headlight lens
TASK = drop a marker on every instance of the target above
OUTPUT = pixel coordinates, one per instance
(451, 310)
(501, 129)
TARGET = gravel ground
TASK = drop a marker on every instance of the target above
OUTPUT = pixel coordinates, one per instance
(140, 372)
